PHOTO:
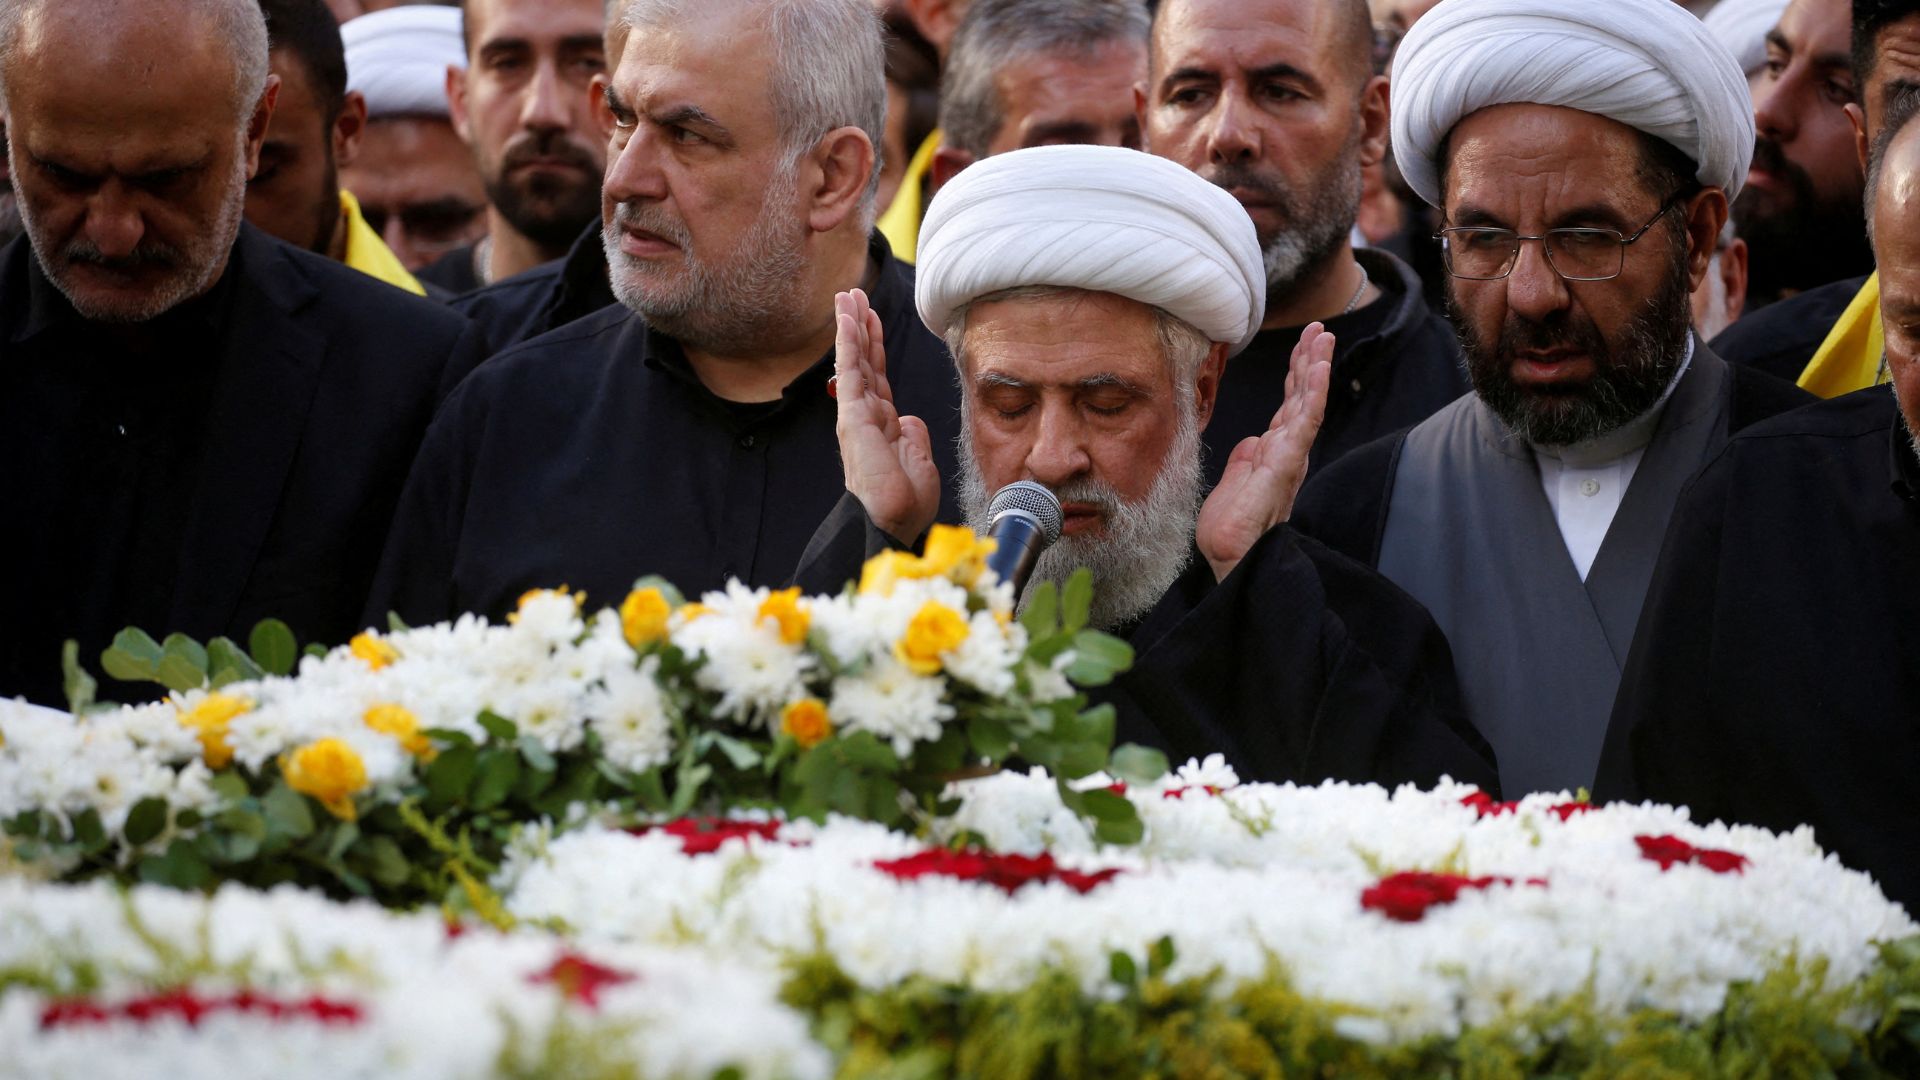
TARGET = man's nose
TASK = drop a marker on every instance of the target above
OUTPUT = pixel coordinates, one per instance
(544, 108)
(633, 172)
(114, 225)
(1534, 289)
(1059, 452)
(1233, 133)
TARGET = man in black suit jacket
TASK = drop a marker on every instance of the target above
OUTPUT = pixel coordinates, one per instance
(201, 426)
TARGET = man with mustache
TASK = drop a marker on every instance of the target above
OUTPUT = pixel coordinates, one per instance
(1276, 101)
(203, 426)
(1800, 210)
(1089, 296)
(523, 104)
(687, 431)
(1578, 217)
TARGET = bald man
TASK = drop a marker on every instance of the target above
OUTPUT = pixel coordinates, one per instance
(205, 426)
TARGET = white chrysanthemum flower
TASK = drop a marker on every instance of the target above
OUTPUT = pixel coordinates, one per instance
(893, 703)
(755, 672)
(629, 715)
(987, 659)
(549, 616)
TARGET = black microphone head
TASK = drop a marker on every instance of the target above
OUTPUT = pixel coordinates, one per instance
(1035, 501)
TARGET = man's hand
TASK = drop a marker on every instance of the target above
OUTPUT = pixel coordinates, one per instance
(887, 457)
(1265, 472)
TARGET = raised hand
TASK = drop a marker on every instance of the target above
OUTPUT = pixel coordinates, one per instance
(888, 458)
(1265, 472)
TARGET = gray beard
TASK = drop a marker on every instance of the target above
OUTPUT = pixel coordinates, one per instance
(1146, 545)
(727, 307)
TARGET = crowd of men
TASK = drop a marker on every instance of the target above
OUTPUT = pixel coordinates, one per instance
(1494, 389)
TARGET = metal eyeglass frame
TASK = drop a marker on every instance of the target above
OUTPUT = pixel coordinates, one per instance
(1513, 258)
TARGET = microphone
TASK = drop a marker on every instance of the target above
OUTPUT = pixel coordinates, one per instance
(1024, 519)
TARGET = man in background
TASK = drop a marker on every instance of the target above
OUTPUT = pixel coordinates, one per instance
(1040, 72)
(316, 127)
(415, 179)
(1277, 102)
(523, 103)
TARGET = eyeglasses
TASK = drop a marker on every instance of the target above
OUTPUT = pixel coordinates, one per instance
(1475, 254)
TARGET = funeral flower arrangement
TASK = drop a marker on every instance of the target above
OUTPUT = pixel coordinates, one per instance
(398, 765)
(879, 834)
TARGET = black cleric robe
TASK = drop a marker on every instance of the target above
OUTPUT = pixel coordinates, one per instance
(593, 455)
(1782, 337)
(1395, 363)
(1453, 512)
(1774, 681)
(1301, 666)
(239, 457)
(547, 297)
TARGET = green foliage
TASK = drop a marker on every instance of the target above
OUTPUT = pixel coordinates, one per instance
(1151, 1025)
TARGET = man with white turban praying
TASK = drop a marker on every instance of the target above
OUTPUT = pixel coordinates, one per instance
(1090, 297)
(1582, 157)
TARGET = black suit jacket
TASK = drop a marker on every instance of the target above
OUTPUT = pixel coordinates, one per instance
(328, 381)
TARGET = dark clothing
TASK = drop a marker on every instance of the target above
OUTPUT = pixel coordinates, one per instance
(454, 272)
(1782, 337)
(547, 297)
(1301, 666)
(1454, 512)
(234, 459)
(593, 455)
(1772, 681)
(1395, 363)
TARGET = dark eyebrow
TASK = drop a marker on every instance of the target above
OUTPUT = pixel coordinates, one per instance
(683, 115)
(995, 378)
(1109, 380)
(1778, 40)
(1579, 216)
(582, 43)
(615, 103)
(1188, 74)
(1287, 72)
(1060, 131)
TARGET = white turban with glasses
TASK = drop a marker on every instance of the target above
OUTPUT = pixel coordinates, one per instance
(1647, 64)
(1098, 218)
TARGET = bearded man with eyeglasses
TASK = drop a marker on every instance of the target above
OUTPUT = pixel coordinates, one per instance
(1582, 158)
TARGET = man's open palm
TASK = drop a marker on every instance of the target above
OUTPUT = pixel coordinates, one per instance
(888, 458)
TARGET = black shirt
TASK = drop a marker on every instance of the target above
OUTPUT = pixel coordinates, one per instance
(593, 456)
(454, 272)
(1395, 363)
(1782, 337)
(547, 297)
(1773, 678)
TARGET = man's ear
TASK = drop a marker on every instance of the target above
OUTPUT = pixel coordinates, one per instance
(1140, 114)
(258, 123)
(839, 178)
(1206, 388)
(457, 103)
(348, 127)
(1733, 274)
(1858, 118)
(1376, 120)
(947, 163)
(1706, 216)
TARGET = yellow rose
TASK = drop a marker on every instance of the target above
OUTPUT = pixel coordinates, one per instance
(399, 722)
(328, 770)
(368, 647)
(806, 720)
(692, 611)
(784, 608)
(936, 629)
(643, 617)
(210, 719)
(883, 571)
(954, 552)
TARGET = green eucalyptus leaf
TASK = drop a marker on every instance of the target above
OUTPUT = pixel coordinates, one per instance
(536, 755)
(738, 754)
(1097, 658)
(180, 867)
(1076, 601)
(1160, 956)
(230, 786)
(1104, 805)
(688, 782)
(273, 647)
(864, 750)
(385, 863)
(1042, 614)
(229, 663)
(448, 737)
(396, 624)
(88, 832)
(145, 821)
(177, 672)
(1121, 969)
(1137, 764)
(345, 835)
(498, 771)
(451, 773)
(1120, 833)
(133, 657)
(80, 686)
(991, 737)
(499, 727)
(287, 812)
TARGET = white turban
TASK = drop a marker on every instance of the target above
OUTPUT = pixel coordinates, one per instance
(1647, 64)
(1742, 26)
(1097, 218)
(399, 58)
